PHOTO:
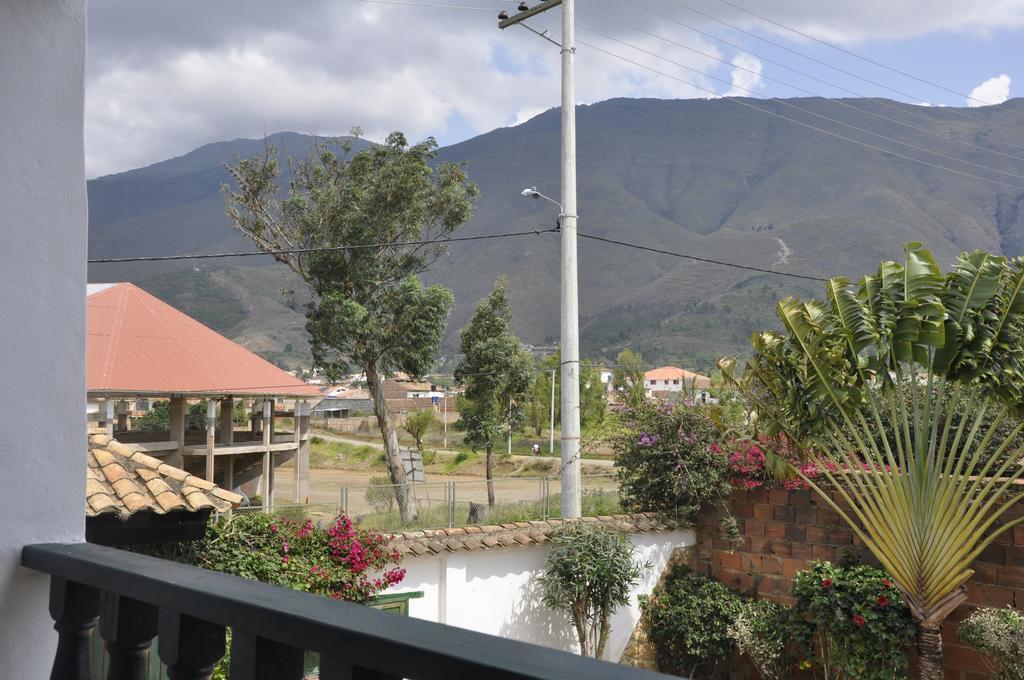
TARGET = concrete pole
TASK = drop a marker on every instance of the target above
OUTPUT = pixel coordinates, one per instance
(551, 444)
(106, 415)
(570, 293)
(510, 427)
(444, 420)
(227, 421)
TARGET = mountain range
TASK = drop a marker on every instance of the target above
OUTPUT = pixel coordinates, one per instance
(718, 179)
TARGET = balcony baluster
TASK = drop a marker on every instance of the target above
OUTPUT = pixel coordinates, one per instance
(128, 627)
(189, 647)
(263, 659)
(75, 608)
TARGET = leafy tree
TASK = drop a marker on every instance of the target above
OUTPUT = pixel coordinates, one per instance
(368, 307)
(593, 398)
(628, 377)
(588, 574)
(538, 405)
(157, 418)
(496, 373)
(418, 423)
(937, 353)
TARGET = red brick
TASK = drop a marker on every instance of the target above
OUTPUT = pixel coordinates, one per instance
(1015, 555)
(784, 513)
(963, 658)
(759, 545)
(827, 517)
(800, 550)
(790, 566)
(770, 564)
(1018, 534)
(1018, 599)
(773, 585)
(726, 560)
(995, 554)
(774, 530)
(823, 552)
(780, 547)
(840, 536)
(795, 532)
(764, 511)
(757, 496)
(817, 535)
(743, 510)
(985, 573)
(778, 497)
(804, 516)
(998, 596)
(750, 563)
(800, 497)
(754, 528)
(1012, 577)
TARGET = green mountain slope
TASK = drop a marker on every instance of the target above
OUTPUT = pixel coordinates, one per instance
(707, 177)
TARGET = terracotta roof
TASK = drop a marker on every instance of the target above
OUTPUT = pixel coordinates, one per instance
(123, 481)
(139, 345)
(518, 534)
(676, 373)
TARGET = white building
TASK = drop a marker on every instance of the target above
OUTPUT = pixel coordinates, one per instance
(673, 379)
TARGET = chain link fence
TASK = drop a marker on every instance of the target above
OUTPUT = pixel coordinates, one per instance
(436, 505)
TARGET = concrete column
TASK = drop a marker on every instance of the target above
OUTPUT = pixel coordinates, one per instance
(227, 423)
(179, 418)
(301, 428)
(267, 482)
(211, 438)
(106, 416)
(254, 422)
(121, 412)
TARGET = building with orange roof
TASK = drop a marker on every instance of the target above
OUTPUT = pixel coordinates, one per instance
(673, 379)
(140, 349)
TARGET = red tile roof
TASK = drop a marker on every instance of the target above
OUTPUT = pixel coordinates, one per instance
(676, 373)
(139, 345)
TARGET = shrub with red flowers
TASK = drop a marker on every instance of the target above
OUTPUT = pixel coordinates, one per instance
(764, 461)
(855, 619)
(339, 561)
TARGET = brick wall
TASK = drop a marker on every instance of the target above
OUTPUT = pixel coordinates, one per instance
(783, 531)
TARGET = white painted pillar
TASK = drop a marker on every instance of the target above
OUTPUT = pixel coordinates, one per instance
(301, 427)
(267, 482)
(211, 438)
(179, 420)
(106, 416)
(455, 596)
(227, 422)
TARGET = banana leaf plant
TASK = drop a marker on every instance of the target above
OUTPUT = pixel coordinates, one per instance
(901, 389)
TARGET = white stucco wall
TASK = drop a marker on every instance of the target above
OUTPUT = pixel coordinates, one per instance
(496, 592)
(42, 311)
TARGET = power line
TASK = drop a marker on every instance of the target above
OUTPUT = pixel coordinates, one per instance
(853, 54)
(428, 4)
(326, 249)
(880, 101)
(705, 260)
(780, 116)
(913, 98)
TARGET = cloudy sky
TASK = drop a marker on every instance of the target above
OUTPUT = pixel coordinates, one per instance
(166, 77)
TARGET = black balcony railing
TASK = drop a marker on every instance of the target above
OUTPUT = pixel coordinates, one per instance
(135, 598)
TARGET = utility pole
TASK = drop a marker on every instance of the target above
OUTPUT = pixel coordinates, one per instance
(551, 444)
(570, 326)
(444, 420)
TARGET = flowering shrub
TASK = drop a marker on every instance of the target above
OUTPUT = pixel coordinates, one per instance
(999, 635)
(340, 562)
(665, 459)
(856, 619)
(764, 461)
(764, 632)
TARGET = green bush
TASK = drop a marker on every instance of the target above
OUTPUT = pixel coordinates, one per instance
(998, 634)
(665, 460)
(688, 622)
(856, 619)
(764, 632)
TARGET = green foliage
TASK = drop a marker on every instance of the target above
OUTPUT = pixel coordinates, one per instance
(857, 619)
(764, 632)
(339, 562)
(593, 398)
(418, 424)
(158, 417)
(628, 378)
(688, 621)
(998, 634)
(588, 575)
(665, 460)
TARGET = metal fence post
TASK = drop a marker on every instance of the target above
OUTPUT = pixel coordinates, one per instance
(544, 496)
(344, 500)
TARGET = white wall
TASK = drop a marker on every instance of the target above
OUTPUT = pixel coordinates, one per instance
(496, 592)
(42, 311)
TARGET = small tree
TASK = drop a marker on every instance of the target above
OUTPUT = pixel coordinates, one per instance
(588, 575)
(593, 399)
(628, 377)
(418, 423)
(496, 373)
(368, 307)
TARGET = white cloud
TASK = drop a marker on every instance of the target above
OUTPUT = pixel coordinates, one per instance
(995, 90)
(745, 75)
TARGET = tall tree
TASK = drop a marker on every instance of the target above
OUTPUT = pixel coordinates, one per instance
(593, 398)
(628, 377)
(368, 309)
(495, 371)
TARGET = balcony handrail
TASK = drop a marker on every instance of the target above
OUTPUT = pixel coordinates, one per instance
(361, 636)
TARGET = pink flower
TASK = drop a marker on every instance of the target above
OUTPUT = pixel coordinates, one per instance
(826, 583)
(858, 620)
(887, 583)
(882, 601)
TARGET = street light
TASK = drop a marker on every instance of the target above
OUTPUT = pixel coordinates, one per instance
(533, 193)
